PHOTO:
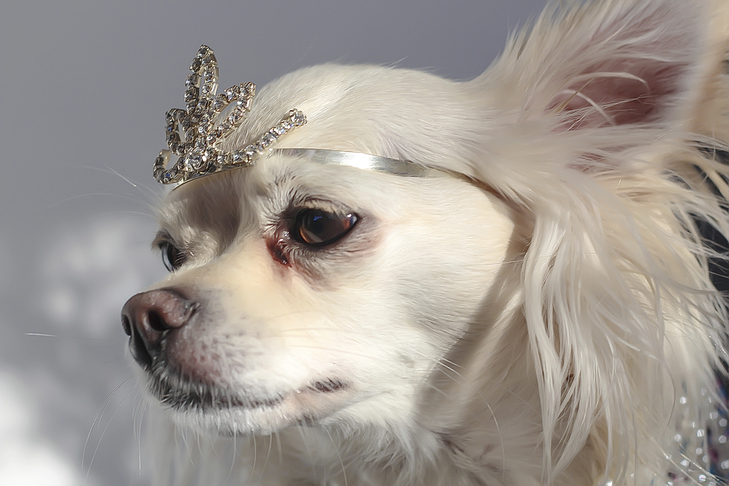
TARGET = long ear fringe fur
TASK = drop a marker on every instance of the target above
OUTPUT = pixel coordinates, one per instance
(621, 313)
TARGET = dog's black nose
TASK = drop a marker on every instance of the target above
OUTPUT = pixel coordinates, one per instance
(149, 316)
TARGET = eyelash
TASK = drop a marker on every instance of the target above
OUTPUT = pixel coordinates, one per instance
(172, 257)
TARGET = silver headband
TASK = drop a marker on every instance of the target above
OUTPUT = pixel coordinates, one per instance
(195, 133)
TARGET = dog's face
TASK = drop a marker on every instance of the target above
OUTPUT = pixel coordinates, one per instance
(301, 291)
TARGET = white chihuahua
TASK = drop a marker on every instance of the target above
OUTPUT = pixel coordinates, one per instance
(415, 281)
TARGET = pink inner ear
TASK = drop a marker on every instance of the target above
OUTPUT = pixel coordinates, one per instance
(599, 98)
(634, 71)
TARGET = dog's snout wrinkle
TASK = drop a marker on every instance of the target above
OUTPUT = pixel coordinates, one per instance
(148, 316)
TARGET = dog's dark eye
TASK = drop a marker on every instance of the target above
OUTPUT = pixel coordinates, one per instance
(318, 228)
(172, 257)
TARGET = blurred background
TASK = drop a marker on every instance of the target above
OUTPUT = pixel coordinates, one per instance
(84, 88)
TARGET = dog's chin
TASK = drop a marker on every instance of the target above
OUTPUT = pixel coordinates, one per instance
(212, 408)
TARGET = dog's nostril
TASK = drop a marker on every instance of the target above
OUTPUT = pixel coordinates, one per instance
(156, 321)
(126, 325)
(139, 351)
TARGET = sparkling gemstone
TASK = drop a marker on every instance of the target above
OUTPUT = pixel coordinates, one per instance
(195, 66)
(172, 115)
(236, 117)
(268, 139)
(279, 129)
(191, 94)
(203, 105)
(195, 161)
(220, 102)
(231, 93)
(193, 80)
(211, 74)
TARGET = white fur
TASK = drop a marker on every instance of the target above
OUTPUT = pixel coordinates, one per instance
(533, 324)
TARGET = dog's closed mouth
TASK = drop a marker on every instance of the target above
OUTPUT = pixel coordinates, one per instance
(182, 394)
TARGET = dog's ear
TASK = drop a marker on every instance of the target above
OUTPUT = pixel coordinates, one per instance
(623, 62)
(595, 110)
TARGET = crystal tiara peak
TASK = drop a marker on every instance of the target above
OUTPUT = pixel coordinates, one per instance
(195, 133)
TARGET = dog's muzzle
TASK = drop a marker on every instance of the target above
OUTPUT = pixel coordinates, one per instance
(148, 317)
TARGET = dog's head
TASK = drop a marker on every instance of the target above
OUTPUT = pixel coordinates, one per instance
(300, 290)
(547, 251)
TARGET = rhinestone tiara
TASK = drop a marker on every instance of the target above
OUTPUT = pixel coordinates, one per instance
(196, 132)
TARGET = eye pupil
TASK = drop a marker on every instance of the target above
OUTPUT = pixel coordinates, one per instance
(318, 228)
(172, 257)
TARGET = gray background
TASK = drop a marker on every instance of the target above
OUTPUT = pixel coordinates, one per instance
(84, 86)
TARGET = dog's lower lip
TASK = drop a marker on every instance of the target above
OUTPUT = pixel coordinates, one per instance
(182, 394)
